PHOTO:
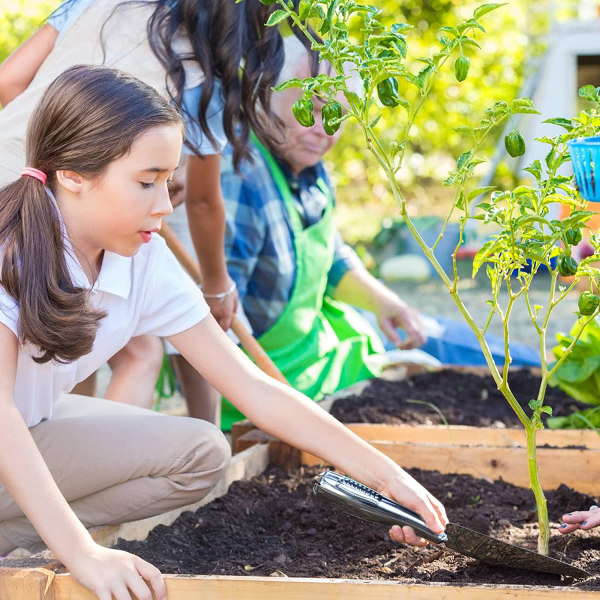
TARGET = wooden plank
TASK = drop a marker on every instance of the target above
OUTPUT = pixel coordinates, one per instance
(244, 465)
(26, 584)
(296, 588)
(575, 468)
(474, 436)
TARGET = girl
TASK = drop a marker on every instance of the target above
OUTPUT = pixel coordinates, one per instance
(82, 271)
(191, 51)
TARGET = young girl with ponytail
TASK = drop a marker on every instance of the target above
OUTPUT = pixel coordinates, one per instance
(82, 271)
(216, 60)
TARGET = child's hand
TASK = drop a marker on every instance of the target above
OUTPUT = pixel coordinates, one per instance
(114, 573)
(413, 495)
(583, 519)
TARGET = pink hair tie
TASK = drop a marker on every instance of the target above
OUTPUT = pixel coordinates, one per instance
(35, 173)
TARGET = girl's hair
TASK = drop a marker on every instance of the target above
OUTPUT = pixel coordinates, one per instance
(88, 117)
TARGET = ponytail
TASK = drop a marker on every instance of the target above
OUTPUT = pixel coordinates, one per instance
(54, 315)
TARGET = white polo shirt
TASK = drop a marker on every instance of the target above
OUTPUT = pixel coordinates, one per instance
(147, 294)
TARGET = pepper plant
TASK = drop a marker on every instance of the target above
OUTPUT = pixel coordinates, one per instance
(353, 39)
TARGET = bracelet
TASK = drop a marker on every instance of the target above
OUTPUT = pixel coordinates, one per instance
(221, 297)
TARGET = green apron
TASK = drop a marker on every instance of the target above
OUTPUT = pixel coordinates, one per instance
(320, 345)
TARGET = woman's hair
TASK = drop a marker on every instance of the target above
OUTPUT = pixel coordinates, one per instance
(88, 117)
(231, 43)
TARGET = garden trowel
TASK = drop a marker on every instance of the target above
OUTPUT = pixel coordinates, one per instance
(361, 501)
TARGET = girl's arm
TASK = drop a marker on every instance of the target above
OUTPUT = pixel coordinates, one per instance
(29, 482)
(359, 288)
(17, 71)
(206, 216)
(293, 418)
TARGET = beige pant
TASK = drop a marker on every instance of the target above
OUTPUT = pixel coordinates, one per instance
(116, 463)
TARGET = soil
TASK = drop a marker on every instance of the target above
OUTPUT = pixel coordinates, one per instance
(457, 397)
(273, 526)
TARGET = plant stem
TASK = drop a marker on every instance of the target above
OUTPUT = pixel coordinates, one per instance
(538, 492)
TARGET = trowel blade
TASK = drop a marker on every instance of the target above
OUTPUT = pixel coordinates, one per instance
(495, 552)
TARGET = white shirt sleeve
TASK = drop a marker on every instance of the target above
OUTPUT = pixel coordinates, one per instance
(9, 311)
(172, 302)
(214, 117)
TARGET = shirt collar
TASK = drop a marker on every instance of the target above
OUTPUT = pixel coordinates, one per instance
(115, 274)
(305, 179)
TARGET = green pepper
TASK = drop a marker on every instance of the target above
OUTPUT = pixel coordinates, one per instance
(573, 236)
(588, 303)
(514, 144)
(567, 265)
(387, 90)
(461, 68)
(330, 115)
(303, 111)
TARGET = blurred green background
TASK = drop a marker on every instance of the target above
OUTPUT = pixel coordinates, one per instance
(508, 50)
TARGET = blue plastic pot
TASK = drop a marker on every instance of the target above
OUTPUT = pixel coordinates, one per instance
(585, 156)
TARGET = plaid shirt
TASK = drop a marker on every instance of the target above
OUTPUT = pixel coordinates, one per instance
(259, 240)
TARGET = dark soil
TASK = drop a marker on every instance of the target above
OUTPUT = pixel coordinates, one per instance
(272, 525)
(462, 399)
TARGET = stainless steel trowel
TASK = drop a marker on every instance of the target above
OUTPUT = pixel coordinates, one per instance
(361, 501)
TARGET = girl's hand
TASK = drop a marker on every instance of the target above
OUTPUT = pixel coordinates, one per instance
(412, 494)
(114, 573)
(583, 519)
(391, 313)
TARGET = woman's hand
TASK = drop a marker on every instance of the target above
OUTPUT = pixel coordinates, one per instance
(222, 309)
(114, 573)
(582, 519)
(410, 493)
(391, 313)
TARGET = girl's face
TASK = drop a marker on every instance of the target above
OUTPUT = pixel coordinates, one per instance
(120, 210)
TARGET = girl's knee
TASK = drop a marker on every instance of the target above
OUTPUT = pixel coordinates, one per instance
(211, 450)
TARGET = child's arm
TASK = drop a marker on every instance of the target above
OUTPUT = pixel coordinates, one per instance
(206, 216)
(359, 288)
(27, 479)
(17, 71)
(292, 417)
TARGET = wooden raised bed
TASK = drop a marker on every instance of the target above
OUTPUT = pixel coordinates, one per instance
(40, 583)
(484, 452)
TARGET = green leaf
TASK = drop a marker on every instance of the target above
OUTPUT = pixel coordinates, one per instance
(479, 191)
(276, 18)
(424, 76)
(374, 122)
(303, 9)
(523, 106)
(589, 92)
(483, 254)
(535, 168)
(484, 9)
(463, 159)
(290, 83)
(566, 123)
(467, 41)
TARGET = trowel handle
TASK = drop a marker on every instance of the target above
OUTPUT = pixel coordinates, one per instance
(361, 501)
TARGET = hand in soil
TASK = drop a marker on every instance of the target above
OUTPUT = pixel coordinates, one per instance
(113, 573)
(582, 519)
